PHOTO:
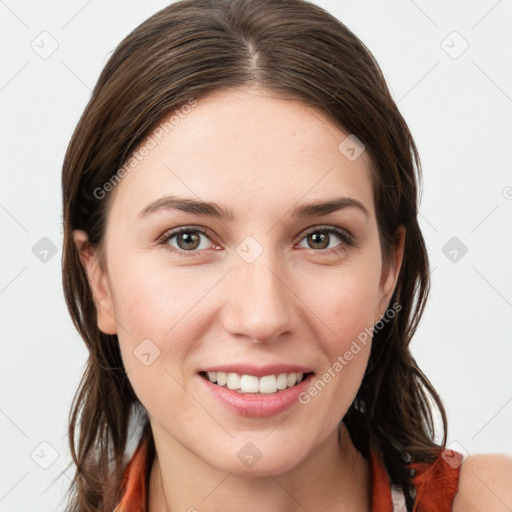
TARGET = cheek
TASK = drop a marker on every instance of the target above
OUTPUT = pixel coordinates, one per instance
(346, 315)
(345, 336)
(155, 336)
(156, 302)
(157, 311)
(348, 308)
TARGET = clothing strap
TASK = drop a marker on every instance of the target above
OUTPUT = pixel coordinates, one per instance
(398, 499)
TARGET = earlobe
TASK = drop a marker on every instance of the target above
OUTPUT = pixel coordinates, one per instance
(98, 283)
(391, 272)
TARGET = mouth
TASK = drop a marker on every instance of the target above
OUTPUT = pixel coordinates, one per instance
(246, 384)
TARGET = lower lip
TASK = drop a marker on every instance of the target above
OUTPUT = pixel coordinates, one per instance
(257, 405)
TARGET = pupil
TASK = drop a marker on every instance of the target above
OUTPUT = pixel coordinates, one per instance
(320, 238)
(187, 238)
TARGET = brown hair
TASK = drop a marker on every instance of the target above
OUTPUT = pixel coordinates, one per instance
(296, 49)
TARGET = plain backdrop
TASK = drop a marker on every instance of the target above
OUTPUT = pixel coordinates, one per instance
(449, 67)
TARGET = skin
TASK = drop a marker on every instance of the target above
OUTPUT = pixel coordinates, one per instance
(258, 155)
(485, 484)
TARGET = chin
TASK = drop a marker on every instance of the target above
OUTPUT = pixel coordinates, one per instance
(256, 460)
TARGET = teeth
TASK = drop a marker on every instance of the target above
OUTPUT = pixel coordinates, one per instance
(268, 384)
(233, 381)
(249, 384)
(252, 384)
(222, 378)
(282, 381)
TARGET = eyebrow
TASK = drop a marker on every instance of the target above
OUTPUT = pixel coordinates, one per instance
(214, 210)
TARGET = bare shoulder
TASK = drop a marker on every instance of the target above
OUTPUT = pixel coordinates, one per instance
(485, 484)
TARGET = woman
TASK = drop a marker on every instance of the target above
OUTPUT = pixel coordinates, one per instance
(241, 257)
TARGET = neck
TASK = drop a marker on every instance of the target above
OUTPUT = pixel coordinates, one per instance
(335, 477)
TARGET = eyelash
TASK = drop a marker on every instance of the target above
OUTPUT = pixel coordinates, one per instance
(347, 241)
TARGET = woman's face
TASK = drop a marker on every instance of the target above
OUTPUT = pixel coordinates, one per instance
(257, 285)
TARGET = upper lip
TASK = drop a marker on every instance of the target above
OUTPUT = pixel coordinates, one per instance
(257, 371)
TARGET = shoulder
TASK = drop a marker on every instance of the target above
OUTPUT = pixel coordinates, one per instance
(485, 484)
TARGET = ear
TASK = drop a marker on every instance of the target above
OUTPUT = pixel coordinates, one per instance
(98, 282)
(390, 272)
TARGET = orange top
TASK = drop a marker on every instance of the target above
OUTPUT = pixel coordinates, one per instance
(436, 484)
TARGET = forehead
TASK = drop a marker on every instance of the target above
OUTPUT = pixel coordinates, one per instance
(248, 149)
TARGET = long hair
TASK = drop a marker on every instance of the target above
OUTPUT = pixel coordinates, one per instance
(296, 49)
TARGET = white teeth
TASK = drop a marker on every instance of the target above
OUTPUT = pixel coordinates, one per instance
(233, 381)
(282, 381)
(249, 384)
(268, 384)
(252, 384)
(222, 378)
(292, 379)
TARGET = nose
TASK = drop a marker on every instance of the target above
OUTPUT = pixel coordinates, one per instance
(259, 302)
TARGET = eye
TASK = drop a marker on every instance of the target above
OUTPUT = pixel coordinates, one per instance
(186, 239)
(321, 238)
(189, 240)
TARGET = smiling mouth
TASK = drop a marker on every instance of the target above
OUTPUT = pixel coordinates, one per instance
(250, 384)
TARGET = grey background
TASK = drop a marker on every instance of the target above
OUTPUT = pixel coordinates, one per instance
(458, 103)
